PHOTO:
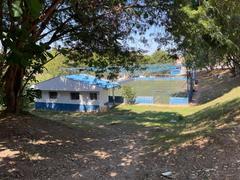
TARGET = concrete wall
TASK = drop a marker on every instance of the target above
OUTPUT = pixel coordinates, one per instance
(178, 100)
(144, 100)
(103, 97)
(64, 101)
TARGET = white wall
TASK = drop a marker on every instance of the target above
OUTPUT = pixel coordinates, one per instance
(84, 98)
(103, 98)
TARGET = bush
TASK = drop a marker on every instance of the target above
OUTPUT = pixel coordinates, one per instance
(28, 97)
(129, 94)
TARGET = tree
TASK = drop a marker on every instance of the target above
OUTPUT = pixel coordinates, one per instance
(108, 64)
(28, 29)
(129, 94)
(53, 68)
(208, 33)
(162, 57)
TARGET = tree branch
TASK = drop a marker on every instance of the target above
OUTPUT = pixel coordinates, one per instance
(1, 18)
(29, 77)
(44, 19)
(57, 30)
(9, 3)
(47, 16)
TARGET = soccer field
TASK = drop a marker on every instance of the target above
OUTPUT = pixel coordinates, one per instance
(161, 90)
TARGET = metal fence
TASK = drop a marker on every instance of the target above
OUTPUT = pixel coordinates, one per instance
(157, 90)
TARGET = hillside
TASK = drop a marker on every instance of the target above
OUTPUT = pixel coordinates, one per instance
(129, 142)
(53, 68)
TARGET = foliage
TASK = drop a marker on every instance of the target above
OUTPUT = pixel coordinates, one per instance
(28, 29)
(53, 68)
(100, 65)
(158, 57)
(129, 94)
(106, 64)
(162, 57)
(208, 33)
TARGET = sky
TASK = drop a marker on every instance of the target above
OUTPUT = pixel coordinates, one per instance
(151, 46)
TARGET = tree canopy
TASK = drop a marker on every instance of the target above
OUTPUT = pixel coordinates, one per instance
(162, 57)
(28, 29)
(207, 32)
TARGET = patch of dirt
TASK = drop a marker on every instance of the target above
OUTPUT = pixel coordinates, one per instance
(34, 148)
(215, 157)
(212, 85)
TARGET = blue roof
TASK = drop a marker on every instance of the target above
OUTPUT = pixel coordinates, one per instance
(92, 80)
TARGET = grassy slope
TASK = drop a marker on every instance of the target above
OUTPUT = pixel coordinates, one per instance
(212, 87)
(52, 68)
(192, 122)
(234, 94)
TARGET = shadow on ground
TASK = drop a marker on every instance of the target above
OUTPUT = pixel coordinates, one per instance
(215, 84)
(200, 124)
(33, 147)
(121, 144)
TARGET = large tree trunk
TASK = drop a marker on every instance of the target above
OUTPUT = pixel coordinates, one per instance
(234, 63)
(237, 69)
(12, 87)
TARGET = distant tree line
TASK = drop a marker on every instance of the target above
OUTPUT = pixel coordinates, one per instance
(159, 57)
(64, 64)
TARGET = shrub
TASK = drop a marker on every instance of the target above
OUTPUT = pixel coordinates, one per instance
(129, 94)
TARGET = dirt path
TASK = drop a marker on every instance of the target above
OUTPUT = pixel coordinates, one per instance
(35, 148)
(43, 149)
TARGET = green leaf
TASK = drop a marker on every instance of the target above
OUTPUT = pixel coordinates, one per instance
(1, 58)
(16, 8)
(35, 7)
(49, 54)
(145, 15)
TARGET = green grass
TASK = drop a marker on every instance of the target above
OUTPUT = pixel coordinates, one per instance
(53, 68)
(192, 121)
(160, 89)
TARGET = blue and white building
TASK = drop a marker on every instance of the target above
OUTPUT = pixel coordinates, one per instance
(82, 92)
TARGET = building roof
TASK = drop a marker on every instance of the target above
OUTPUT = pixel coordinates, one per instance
(92, 80)
(77, 82)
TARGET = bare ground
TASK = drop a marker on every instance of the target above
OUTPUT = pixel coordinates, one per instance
(213, 85)
(34, 148)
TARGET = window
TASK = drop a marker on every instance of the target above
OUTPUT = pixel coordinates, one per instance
(93, 96)
(74, 96)
(53, 95)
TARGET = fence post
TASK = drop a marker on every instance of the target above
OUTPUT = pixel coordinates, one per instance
(113, 96)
